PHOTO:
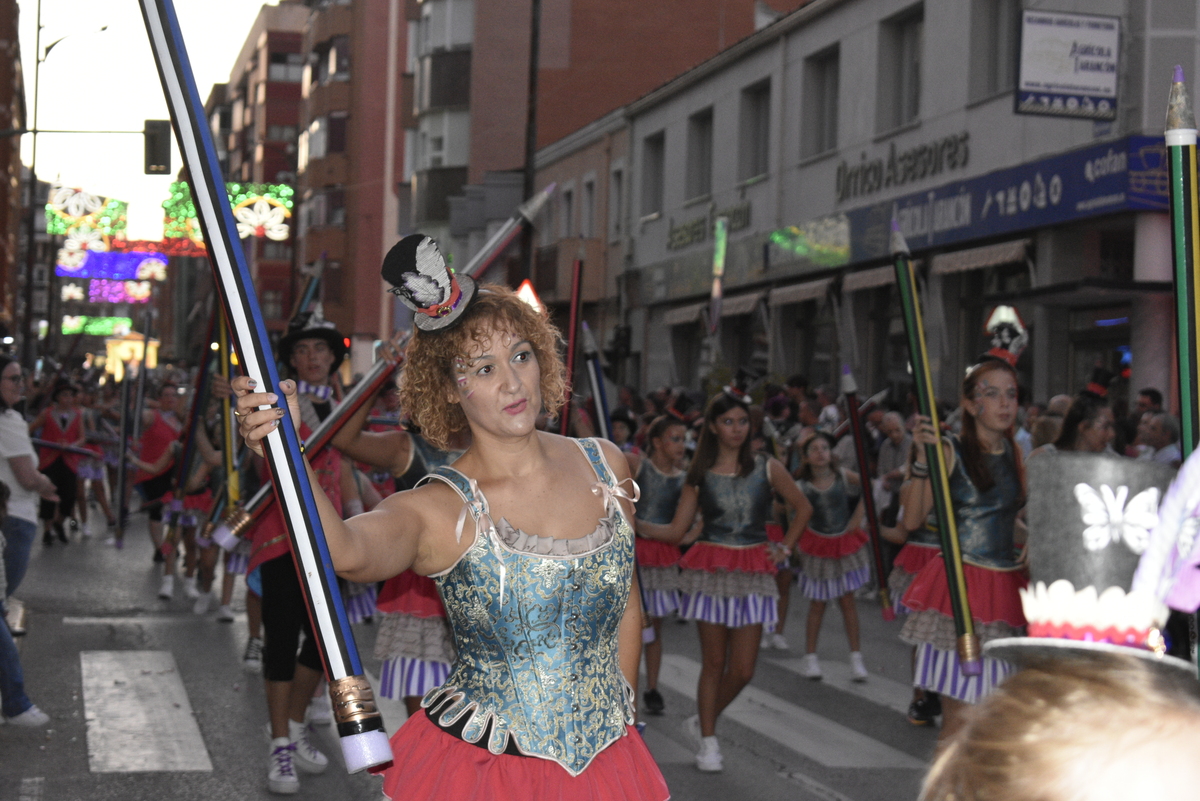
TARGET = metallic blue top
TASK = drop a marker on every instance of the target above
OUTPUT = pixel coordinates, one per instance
(736, 509)
(537, 637)
(986, 520)
(660, 493)
(831, 506)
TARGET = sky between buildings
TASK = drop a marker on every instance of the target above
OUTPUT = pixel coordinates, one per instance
(107, 81)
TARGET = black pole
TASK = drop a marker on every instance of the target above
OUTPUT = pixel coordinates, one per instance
(28, 352)
(535, 38)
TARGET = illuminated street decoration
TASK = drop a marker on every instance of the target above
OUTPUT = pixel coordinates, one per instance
(260, 210)
(104, 290)
(166, 247)
(72, 292)
(127, 346)
(71, 208)
(96, 326)
(115, 266)
(824, 242)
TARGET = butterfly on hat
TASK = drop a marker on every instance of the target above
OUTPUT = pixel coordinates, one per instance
(424, 283)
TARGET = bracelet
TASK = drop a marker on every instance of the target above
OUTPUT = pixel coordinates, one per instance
(920, 470)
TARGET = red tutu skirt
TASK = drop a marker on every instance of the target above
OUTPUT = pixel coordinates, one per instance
(433, 764)
(710, 558)
(653, 553)
(994, 595)
(813, 544)
(200, 502)
(914, 557)
(410, 594)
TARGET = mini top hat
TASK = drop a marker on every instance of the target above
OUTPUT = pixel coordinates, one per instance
(739, 389)
(1007, 334)
(1090, 521)
(420, 278)
(313, 325)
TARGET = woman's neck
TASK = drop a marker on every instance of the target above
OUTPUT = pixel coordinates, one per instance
(991, 441)
(727, 460)
(821, 471)
(662, 461)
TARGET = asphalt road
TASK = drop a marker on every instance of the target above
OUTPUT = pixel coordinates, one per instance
(98, 636)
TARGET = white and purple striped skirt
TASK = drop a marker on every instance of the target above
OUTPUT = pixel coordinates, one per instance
(360, 601)
(237, 560)
(938, 671)
(403, 677)
(833, 588)
(660, 603)
(733, 611)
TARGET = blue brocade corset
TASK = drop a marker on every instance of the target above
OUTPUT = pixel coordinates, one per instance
(736, 509)
(831, 506)
(537, 636)
(986, 520)
(660, 493)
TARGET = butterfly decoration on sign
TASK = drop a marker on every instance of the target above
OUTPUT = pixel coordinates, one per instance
(1108, 519)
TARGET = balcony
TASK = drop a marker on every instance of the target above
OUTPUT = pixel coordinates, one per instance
(432, 189)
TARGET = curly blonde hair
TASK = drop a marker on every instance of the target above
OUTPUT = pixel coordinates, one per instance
(428, 376)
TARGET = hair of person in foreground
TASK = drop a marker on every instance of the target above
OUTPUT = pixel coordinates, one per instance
(1088, 728)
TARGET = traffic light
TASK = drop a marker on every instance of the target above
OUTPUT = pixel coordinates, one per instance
(158, 147)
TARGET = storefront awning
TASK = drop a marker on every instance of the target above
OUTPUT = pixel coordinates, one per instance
(869, 279)
(798, 293)
(1088, 292)
(684, 315)
(741, 304)
(977, 258)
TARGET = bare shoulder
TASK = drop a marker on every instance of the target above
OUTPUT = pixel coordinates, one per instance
(615, 458)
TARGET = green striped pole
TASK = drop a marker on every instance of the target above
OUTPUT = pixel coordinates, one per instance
(939, 477)
(1185, 229)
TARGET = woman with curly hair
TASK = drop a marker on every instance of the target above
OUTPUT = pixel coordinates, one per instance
(528, 537)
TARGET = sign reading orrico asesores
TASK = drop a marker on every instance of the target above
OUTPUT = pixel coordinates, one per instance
(1069, 65)
(926, 160)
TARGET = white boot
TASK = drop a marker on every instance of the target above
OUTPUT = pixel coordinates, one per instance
(189, 587)
(167, 590)
(203, 601)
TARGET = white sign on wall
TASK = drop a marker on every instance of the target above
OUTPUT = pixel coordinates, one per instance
(1069, 64)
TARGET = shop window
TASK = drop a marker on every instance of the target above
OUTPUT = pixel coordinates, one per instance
(700, 154)
(994, 30)
(653, 173)
(901, 40)
(819, 118)
(755, 139)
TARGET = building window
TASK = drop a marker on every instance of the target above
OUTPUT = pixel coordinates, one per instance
(286, 67)
(276, 251)
(281, 133)
(700, 154)
(900, 43)
(331, 60)
(755, 138)
(994, 26)
(336, 138)
(568, 212)
(654, 153)
(449, 81)
(587, 211)
(326, 208)
(616, 203)
(819, 120)
(271, 301)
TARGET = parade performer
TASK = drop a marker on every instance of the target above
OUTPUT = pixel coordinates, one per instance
(92, 470)
(835, 557)
(160, 430)
(659, 475)
(313, 349)
(727, 579)
(987, 487)
(60, 423)
(510, 535)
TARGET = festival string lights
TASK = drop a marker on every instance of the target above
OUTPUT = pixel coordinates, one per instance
(260, 210)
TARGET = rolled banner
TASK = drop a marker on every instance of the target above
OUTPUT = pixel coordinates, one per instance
(596, 378)
(572, 331)
(363, 739)
(239, 518)
(1185, 239)
(939, 478)
(506, 234)
(850, 390)
(843, 428)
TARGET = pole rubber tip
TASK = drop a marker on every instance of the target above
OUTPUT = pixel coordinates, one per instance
(222, 536)
(366, 750)
(971, 668)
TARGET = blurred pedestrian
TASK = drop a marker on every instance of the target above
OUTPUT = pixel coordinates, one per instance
(15, 706)
(60, 423)
(1159, 431)
(1088, 426)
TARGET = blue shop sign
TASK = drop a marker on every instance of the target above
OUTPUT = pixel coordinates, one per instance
(1129, 174)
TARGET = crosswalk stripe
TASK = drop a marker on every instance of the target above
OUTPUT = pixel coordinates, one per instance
(877, 689)
(32, 787)
(138, 715)
(809, 735)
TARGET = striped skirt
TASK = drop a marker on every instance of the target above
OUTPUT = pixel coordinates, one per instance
(403, 677)
(938, 671)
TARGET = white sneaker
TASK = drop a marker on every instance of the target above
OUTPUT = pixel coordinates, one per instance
(252, 659)
(167, 590)
(320, 712)
(203, 602)
(779, 643)
(281, 772)
(691, 729)
(189, 587)
(32, 718)
(858, 671)
(708, 758)
(765, 643)
(810, 667)
(308, 759)
(225, 614)
(85, 531)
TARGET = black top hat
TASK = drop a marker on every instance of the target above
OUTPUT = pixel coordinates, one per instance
(1090, 520)
(420, 278)
(313, 325)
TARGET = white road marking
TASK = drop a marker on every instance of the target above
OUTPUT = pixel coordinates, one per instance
(877, 689)
(665, 750)
(810, 735)
(141, 620)
(138, 715)
(31, 788)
